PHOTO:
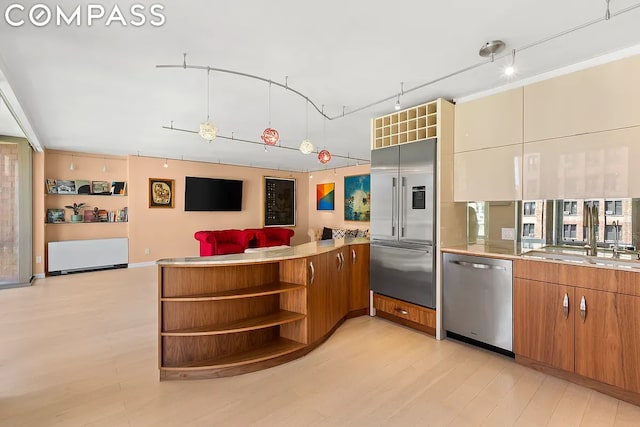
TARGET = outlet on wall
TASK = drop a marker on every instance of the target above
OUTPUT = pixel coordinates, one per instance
(508, 234)
(147, 251)
(38, 259)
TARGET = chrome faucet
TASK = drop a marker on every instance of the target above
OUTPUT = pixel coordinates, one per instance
(590, 220)
(616, 228)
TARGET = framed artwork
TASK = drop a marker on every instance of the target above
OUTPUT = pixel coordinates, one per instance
(325, 196)
(65, 186)
(357, 198)
(279, 202)
(55, 216)
(82, 186)
(161, 193)
(51, 186)
(100, 187)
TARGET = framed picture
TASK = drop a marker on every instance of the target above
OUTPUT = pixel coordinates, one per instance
(279, 202)
(100, 187)
(91, 215)
(51, 186)
(161, 193)
(55, 216)
(120, 188)
(357, 198)
(325, 196)
(83, 186)
(66, 187)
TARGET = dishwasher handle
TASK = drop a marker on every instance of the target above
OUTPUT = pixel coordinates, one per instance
(477, 265)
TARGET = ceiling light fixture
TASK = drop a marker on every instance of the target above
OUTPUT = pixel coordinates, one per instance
(166, 164)
(490, 49)
(72, 166)
(270, 136)
(104, 165)
(208, 129)
(306, 146)
(511, 69)
(398, 106)
(324, 157)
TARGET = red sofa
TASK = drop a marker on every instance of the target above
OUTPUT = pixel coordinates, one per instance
(220, 242)
(272, 236)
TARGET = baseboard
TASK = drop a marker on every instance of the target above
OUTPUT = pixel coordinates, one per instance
(39, 276)
(142, 264)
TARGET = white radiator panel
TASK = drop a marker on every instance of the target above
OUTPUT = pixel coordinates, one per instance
(87, 254)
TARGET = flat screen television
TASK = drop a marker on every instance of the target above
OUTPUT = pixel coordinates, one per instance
(212, 194)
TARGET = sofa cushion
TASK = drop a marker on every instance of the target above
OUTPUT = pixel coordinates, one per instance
(326, 234)
(230, 248)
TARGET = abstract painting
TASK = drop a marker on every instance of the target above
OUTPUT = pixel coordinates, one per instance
(357, 198)
(325, 196)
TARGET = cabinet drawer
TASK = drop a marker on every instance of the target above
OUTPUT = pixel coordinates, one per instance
(406, 311)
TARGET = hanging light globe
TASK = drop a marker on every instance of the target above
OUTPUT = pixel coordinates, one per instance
(208, 130)
(306, 147)
(270, 136)
(324, 156)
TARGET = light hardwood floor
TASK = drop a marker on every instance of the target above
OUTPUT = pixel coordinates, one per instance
(82, 350)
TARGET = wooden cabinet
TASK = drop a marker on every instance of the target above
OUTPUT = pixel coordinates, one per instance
(597, 337)
(490, 174)
(405, 313)
(359, 278)
(338, 286)
(592, 100)
(318, 282)
(492, 121)
(608, 338)
(543, 322)
(410, 125)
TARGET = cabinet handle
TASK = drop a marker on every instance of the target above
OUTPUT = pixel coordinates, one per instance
(353, 256)
(313, 272)
(583, 308)
(402, 311)
(565, 305)
(341, 260)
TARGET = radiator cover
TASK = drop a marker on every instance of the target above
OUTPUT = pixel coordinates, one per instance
(80, 255)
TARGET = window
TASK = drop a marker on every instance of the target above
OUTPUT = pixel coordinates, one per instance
(528, 230)
(570, 208)
(570, 231)
(529, 208)
(613, 207)
(610, 232)
(585, 232)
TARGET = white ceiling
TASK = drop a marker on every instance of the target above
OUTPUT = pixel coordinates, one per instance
(96, 89)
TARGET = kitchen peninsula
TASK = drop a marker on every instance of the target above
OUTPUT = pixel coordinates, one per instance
(231, 314)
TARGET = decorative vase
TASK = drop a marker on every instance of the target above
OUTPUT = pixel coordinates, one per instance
(76, 218)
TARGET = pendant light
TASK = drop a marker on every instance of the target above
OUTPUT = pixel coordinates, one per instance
(324, 156)
(208, 129)
(511, 69)
(306, 146)
(270, 136)
(72, 166)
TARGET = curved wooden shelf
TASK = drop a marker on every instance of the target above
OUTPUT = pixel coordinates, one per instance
(277, 348)
(278, 318)
(254, 291)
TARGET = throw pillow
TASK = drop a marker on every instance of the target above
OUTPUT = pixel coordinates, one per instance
(352, 234)
(327, 234)
(339, 233)
(363, 233)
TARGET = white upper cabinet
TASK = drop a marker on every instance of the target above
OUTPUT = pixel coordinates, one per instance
(490, 174)
(492, 121)
(602, 98)
(594, 165)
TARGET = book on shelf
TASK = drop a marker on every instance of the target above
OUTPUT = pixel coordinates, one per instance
(121, 215)
(90, 216)
(103, 215)
(118, 187)
(55, 216)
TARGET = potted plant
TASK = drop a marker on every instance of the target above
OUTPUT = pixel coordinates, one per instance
(76, 217)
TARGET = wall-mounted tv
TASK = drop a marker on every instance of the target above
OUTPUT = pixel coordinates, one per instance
(212, 194)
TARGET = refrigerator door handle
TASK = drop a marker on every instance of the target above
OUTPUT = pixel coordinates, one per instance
(402, 206)
(393, 206)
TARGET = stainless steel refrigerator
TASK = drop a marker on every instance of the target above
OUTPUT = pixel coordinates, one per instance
(403, 222)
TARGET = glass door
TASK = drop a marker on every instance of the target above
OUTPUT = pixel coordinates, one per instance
(15, 212)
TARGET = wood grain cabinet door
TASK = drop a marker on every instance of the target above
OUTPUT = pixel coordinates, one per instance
(608, 338)
(338, 287)
(543, 328)
(317, 296)
(359, 277)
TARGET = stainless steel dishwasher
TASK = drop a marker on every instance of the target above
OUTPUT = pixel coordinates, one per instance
(478, 300)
